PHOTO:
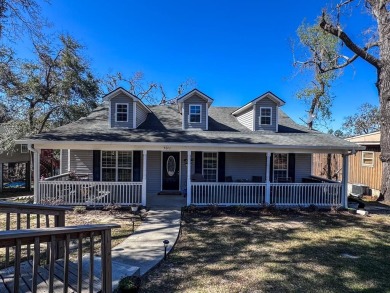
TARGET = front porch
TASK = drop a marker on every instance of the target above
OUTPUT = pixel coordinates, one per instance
(204, 178)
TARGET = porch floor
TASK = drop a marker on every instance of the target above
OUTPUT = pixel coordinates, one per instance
(165, 201)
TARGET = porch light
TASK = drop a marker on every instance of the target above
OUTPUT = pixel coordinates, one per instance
(166, 242)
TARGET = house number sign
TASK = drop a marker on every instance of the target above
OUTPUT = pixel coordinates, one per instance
(171, 165)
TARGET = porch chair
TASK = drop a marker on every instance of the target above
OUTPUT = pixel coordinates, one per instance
(257, 179)
(284, 180)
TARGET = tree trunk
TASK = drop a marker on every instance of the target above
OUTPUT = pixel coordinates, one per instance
(384, 94)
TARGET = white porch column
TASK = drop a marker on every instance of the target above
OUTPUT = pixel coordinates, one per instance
(344, 182)
(144, 164)
(267, 180)
(69, 160)
(37, 175)
(188, 178)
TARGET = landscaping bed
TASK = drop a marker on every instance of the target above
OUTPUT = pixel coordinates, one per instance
(241, 250)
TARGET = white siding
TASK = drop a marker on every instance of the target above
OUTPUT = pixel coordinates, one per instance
(245, 165)
(246, 118)
(141, 115)
(302, 166)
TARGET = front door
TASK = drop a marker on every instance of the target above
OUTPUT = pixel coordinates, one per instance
(171, 171)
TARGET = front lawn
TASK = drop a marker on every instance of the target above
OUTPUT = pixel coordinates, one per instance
(277, 252)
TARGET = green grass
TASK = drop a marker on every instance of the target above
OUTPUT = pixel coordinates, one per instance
(278, 252)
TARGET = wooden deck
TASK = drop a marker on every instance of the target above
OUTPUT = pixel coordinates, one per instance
(7, 278)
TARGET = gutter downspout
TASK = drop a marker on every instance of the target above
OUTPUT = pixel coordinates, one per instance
(36, 172)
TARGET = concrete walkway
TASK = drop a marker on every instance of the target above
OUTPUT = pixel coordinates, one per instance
(144, 249)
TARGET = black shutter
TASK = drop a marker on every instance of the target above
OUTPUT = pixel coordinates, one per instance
(198, 162)
(291, 167)
(221, 167)
(96, 165)
(137, 166)
(271, 168)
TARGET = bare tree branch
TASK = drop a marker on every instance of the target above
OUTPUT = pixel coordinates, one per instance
(360, 52)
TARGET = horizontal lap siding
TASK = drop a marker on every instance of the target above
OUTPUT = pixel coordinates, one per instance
(123, 100)
(64, 162)
(153, 172)
(245, 165)
(141, 115)
(14, 156)
(246, 118)
(81, 161)
(302, 166)
(198, 101)
(265, 102)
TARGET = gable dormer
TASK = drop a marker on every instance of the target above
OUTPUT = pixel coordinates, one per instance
(261, 113)
(125, 109)
(194, 109)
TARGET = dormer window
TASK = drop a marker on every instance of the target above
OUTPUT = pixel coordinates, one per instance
(195, 114)
(265, 116)
(121, 112)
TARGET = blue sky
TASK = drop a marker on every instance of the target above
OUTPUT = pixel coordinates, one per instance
(233, 50)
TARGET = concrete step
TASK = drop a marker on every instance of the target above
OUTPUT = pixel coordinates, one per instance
(119, 270)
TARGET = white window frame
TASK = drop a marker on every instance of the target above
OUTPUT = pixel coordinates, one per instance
(23, 149)
(216, 168)
(373, 158)
(189, 113)
(127, 112)
(273, 166)
(270, 116)
(116, 165)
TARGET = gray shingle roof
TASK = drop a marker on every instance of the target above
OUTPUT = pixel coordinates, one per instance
(164, 125)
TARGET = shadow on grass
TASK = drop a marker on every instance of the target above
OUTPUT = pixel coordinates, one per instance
(287, 252)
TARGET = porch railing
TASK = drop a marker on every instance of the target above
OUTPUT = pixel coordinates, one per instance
(227, 193)
(90, 192)
(305, 194)
(254, 194)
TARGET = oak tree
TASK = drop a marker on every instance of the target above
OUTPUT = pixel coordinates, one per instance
(375, 50)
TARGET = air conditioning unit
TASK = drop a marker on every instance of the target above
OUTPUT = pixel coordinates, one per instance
(359, 190)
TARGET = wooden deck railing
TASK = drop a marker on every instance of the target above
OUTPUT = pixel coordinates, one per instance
(90, 192)
(33, 276)
(254, 194)
(16, 216)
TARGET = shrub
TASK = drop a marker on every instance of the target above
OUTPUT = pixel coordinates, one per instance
(129, 284)
(214, 210)
(239, 210)
(80, 209)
